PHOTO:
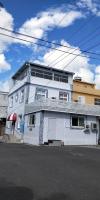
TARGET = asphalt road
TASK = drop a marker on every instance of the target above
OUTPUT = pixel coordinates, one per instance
(49, 173)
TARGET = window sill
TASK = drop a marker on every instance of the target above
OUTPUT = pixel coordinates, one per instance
(77, 127)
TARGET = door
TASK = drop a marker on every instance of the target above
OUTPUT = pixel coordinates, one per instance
(51, 128)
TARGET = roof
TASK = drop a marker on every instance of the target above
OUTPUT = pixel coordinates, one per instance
(27, 64)
(87, 83)
(64, 107)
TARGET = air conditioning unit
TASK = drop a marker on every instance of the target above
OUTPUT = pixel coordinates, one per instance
(53, 97)
(93, 126)
(87, 127)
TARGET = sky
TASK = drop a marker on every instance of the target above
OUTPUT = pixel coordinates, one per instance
(74, 24)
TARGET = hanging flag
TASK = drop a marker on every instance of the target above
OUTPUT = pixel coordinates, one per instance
(12, 117)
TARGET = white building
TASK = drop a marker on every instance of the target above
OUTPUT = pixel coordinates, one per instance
(3, 111)
(41, 97)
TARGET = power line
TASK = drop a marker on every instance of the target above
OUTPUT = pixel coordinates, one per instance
(83, 43)
(97, 44)
(49, 42)
(74, 32)
(44, 45)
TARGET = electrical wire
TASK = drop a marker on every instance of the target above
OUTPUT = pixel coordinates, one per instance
(44, 45)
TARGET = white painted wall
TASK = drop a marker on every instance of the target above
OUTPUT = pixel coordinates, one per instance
(51, 83)
(52, 92)
(31, 135)
(70, 136)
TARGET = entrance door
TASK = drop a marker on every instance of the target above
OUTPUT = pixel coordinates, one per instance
(51, 128)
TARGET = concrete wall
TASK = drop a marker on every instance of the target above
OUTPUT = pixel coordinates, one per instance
(85, 89)
(53, 88)
(31, 135)
(64, 132)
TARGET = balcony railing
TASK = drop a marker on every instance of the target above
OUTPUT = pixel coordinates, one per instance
(62, 106)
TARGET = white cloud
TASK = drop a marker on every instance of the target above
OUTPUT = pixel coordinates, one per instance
(6, 21)
(91, 5)
(97, 76)
(4, 65)
(97, 70)
(48, 20)
(80, 66)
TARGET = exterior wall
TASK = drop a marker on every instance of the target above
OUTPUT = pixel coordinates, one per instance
(85, 89)
(18, 108)
(31, 134)
(52, 92)
(64, 132)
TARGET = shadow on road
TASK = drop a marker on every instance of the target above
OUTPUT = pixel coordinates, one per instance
(58, 196)
(16, 193)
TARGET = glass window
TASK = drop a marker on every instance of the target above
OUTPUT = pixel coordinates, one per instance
(22, 96)
(11, 101)
(16, 97)
(97, 101)
(63, 95)
(77, 121)
(31, 120)
(41, 93)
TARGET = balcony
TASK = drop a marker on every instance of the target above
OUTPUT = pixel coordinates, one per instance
(62, 106)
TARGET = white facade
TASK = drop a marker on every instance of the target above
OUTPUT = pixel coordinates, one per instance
(26, 87)
(56, 126)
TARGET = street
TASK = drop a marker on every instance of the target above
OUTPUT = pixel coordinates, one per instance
(49, 173)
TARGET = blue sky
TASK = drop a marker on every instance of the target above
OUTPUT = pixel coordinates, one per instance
(72, 23)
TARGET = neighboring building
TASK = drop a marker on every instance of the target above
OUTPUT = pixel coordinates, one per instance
(85, 93)
(3, 111)
(41, 98)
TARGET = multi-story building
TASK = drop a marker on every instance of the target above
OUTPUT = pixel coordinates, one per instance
(41, 99)
(85, 93)
(3, 111)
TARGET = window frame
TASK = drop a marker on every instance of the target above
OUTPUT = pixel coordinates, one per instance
(67, 96)
(16, 95)
(21, 100)
(31, 125)
(97, 101)
(11, 101)
(39, 91)
(78, 126)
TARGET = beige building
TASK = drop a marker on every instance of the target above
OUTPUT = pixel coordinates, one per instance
(85, 93)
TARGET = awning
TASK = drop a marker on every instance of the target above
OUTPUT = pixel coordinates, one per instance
(12, 117)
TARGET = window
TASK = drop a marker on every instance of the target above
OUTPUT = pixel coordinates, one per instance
(11, 101)
(97, 102)
(22, 96)
(77, 121)
(81, 99)
(41, 74)
(32, 120)
(63, 96)
(16, 97)
(61, 78)
(41, 93)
